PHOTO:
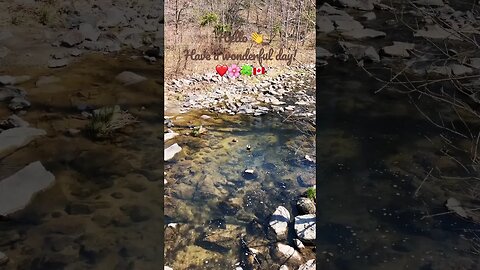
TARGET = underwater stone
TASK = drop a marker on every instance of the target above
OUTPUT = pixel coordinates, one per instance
(12, 139)
(3, 258)
(171, 151)
(306, 206)
(17, 190)
(287, 253)
(279, 221)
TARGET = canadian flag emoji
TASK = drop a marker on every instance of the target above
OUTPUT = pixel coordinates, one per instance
(260, 70)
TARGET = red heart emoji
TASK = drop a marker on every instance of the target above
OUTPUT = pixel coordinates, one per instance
(221, 70)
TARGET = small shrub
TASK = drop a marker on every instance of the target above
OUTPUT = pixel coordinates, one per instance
(311, 193)
(108, 119)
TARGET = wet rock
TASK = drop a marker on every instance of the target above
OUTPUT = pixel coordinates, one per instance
(42, 80)
(72, 38)
(112, 17)
(305, 228)
(75, 52)
(436, 32)
(3, 258)
(18, 103)
(324, 24)
(360, 51)
(286, 253)
(306, 181)
(369, 16)
(10, 80)
(137, 213)
(323, 53)
(454, 205)
(358, 4)
(128, 78)
(398, 49)
(309, 265)
(171, 151)
(14, 138)
(459, 70)
(89, 32)
(17, 190)
(363, 33)
(9, 92)
(13, 121)
(346, 24)
(306, 206)
(432, 3)
(220, 240)
(279, 222)
(58, 63)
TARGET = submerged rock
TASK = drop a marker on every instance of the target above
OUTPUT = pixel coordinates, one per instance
(305, 228)
(286, 253)
(3, 258)
(17, 190)
(13, 121)
(12, 139)
(128, 78)
(400, 49)
(279, 221)
(18, 103)
(58, 63)
(171, 151)
(359, 4)
(42, 80)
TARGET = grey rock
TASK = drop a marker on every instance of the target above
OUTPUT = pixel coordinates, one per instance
(369, 16)
(324, 24)
(72, 38)
(398, 49)
(7, 80)
(323, 53)
(306, 206)
(363, 33)
(12, 139)
(75, 52)
(128, 78)
(17, 190)
(9, 92)
(358, 4)
(286, 253)
(433, 3)
(89, 32)
(360, 51)
(305, 228)
(169, 135)
(13, 121)
(436, 32)
(18, 103)
(298, 244)
(3, 258)
(113, 17)
(345, 24)
(459, 70)
(279, 221)
(58, 63)
(474, 62)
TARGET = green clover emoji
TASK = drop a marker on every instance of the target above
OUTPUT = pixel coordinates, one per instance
(246, 70)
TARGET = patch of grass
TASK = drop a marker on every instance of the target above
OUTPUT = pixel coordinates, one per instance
(311, 193)
(45, 15)
(108, 119)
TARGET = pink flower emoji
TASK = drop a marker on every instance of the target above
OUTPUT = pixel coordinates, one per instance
(233, 71)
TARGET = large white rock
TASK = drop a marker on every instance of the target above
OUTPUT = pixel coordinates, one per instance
(17, 190)
(279, 221)
(167, 268)
(305, 227)
(169, 135)
(14, 138)
(171, 151)
(309, 265)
